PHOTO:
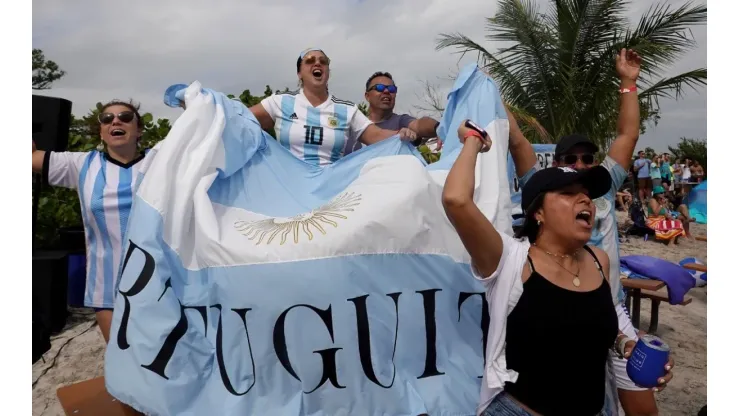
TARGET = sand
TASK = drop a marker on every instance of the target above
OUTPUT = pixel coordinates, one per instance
(684, 328)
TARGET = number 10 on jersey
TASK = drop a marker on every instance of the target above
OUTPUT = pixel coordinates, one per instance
(314, 135)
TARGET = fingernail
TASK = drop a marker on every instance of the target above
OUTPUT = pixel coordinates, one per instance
(661, 380)
(668, 368)
(655, 389)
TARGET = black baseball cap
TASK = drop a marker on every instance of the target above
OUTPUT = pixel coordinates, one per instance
(568, 142)
(596, 180)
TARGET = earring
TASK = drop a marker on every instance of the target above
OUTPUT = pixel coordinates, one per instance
(539, 223)
(100, 147)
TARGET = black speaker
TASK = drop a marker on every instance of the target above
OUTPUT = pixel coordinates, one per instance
(51, 119)
(49, 298)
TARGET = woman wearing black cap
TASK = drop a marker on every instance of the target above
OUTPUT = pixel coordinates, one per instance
(552, 317)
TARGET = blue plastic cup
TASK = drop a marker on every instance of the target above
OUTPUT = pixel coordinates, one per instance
(647, 362)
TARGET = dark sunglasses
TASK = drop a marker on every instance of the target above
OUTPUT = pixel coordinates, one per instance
(323, 60)
(123, 116)
(587, 159)
(382, 87)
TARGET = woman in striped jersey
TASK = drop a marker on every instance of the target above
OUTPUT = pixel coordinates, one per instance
(313, 124)
(105, 182)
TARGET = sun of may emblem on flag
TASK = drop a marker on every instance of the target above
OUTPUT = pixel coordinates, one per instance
(284, 227)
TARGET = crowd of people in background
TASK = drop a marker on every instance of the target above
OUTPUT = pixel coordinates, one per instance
(659, 187)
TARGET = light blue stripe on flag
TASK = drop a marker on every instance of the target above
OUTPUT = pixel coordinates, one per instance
(287, 108)
(315, 136)
(340, 112)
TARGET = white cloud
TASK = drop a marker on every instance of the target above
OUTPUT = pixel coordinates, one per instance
(136, 49)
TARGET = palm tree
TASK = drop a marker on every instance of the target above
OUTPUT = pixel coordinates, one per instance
(556, 69)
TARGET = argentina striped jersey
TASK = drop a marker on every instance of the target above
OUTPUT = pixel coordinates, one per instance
(318, 135)
(106, 189)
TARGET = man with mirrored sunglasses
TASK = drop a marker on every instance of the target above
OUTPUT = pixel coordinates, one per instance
(380, 93)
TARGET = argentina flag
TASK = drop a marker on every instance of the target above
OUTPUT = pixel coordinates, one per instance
(254, 283)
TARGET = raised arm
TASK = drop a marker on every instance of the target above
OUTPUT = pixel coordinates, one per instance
(628, 123)
(521, 149)
(478, 236)
(37, 159)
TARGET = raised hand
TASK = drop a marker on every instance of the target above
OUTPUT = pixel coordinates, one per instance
(628, 64)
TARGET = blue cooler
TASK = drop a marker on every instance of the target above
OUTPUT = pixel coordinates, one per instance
(76, 276)
(72, 239)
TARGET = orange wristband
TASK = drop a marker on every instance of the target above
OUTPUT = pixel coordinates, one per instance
(628, 90)
(472, 132)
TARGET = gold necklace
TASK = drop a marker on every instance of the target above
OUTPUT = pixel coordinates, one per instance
(576, 276)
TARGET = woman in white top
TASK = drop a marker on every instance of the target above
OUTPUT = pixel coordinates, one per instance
(105, 181)
(314, 125)
(552, 317)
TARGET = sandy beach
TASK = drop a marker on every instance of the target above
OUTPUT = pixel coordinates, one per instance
(684, 328)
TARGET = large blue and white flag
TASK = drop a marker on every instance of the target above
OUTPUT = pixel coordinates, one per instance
(257, 284)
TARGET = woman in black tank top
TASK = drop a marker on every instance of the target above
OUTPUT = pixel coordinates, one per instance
(558, 332)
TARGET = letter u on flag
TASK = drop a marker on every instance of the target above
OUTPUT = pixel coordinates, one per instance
(256, 284)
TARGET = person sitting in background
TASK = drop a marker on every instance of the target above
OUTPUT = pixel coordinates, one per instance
(668, 225)
(623, 199)
(380, 93)
(697, 172)
(105, 180)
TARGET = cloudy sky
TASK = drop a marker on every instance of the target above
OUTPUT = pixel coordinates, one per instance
(135, 49)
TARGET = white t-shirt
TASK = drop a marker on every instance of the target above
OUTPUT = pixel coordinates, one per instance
(318, 135)
(503, 290)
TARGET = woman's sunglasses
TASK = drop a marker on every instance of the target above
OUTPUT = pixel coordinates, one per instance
(382, 87)
(587, 159)
(323, 60)
(123, 116)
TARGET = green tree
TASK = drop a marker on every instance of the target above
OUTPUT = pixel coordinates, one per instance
(364, 108)
(44, 72)
(556, 68)
(694, 149)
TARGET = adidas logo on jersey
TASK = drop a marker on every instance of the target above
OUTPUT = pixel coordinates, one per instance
(293, 116)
